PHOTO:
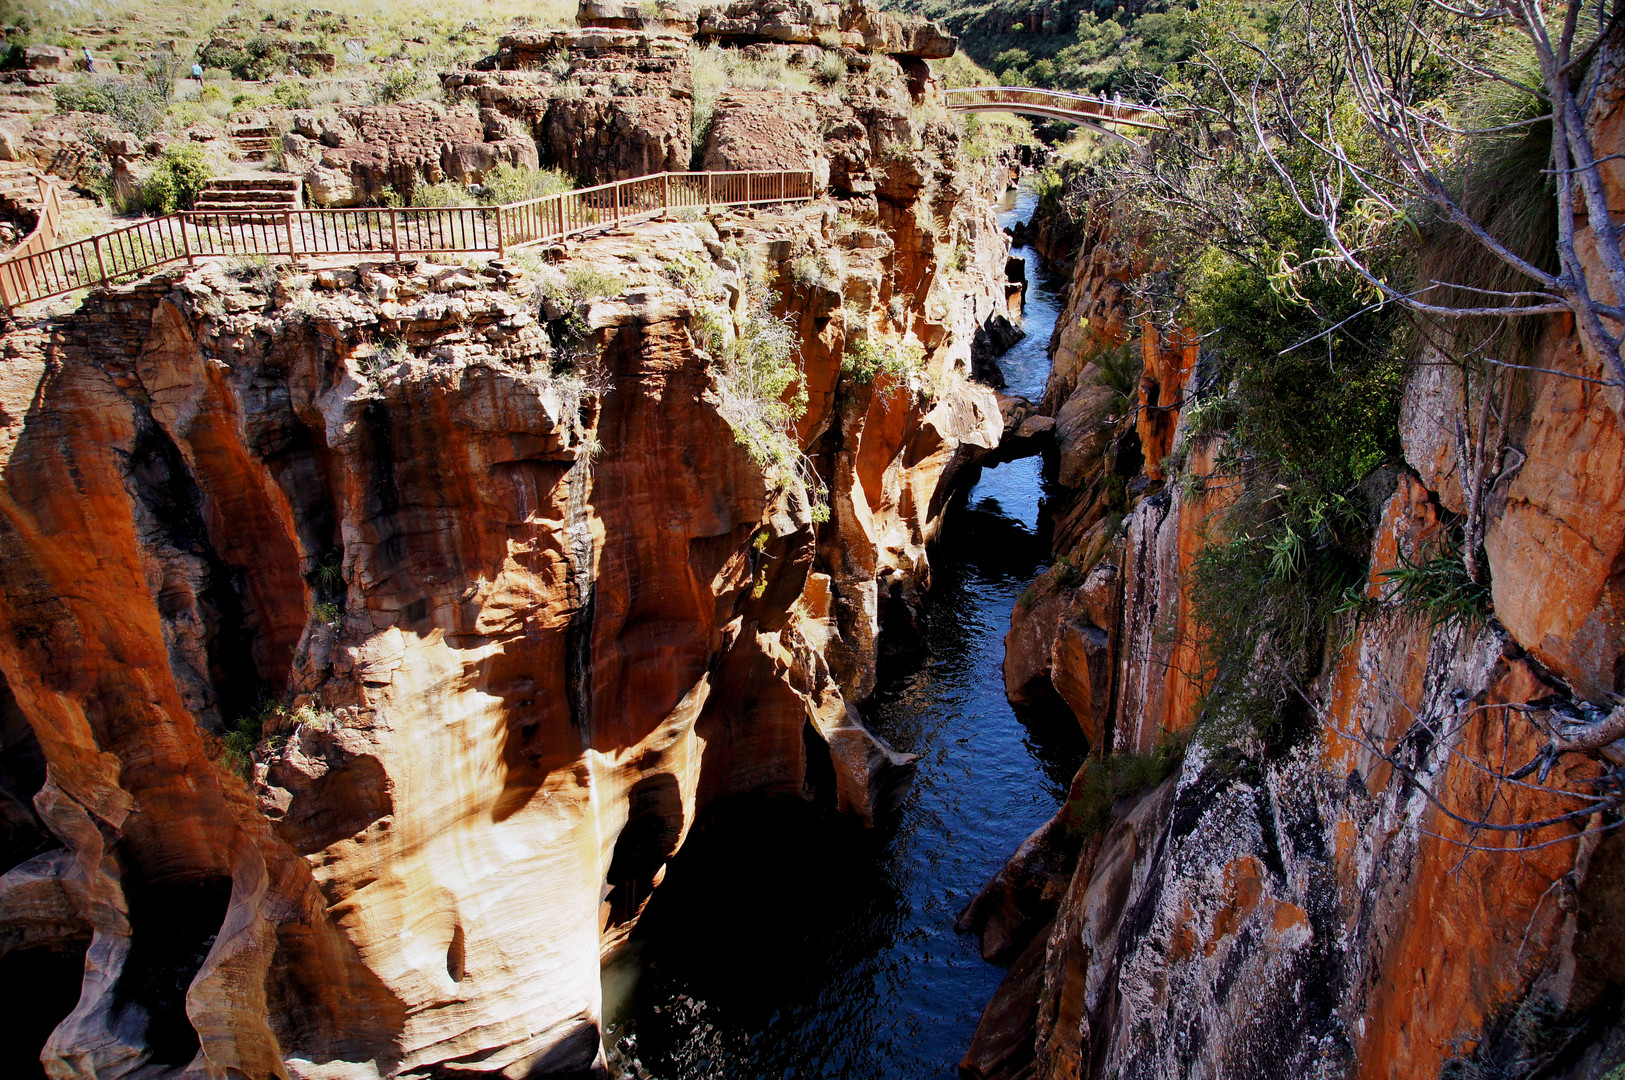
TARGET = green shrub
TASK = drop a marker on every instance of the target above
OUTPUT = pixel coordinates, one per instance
(1303, 428)
(1435, 588)
(590, 283)
(695, 275)
(444, 194)
(130, 106)
(258, 58)
(759, 368)
(867, 362)
(176, 180)
(160, 74)
(291, 95)
(398, 84)
(1103, 781)
(514, 183)
(243, 734)
(830, 69)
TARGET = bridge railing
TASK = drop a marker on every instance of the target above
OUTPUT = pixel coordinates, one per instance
(51, 269)
(1098, 110)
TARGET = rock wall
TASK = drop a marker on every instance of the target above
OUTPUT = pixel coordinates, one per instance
(1314, 910)
(508, 597)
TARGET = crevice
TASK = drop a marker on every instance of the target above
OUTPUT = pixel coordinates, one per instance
(158, 479)
(22, 773)
(44, 986)
(173, 927)
(649, 839)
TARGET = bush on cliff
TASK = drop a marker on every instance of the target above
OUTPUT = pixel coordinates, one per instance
(1104, 781)
(1300, 373)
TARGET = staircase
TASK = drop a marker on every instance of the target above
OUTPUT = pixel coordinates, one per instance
(249, 199)
(254, 142)
(19, 191)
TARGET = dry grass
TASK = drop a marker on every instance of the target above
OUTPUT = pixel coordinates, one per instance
(391, 20)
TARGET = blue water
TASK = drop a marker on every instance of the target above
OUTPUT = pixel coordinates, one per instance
(1026, 365)
(789, 942)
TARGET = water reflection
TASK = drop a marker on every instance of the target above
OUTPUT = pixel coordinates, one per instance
(789, 942)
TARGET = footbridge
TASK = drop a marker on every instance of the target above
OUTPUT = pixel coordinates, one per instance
(1091, 112)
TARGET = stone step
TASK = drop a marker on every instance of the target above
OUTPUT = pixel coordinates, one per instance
(277, 197)
(254, 133)
(235, 208)
(251, 183)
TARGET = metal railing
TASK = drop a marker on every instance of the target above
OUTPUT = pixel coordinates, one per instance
(52, 269)
(16, 270)
(1058, 104)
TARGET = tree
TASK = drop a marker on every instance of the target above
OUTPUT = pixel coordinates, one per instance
(1396, 59)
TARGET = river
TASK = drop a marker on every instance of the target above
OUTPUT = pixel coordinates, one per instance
(791, 943)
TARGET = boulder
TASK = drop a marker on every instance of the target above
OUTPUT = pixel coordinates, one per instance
(47, 58)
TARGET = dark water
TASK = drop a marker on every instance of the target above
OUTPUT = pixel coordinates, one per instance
(788, 942)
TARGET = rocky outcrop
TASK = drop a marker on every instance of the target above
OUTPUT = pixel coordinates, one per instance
(852, 24)
(614, 99)
(1313, 907)
(355, 157)
(413, 613)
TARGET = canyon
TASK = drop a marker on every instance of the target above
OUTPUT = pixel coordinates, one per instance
(401, 656)
(520, 601)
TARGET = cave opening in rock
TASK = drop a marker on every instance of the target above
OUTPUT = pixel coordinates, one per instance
(1128, 458)
(819, 779)
(455, 955)
(174, 926)
(22, 774)
(44, 985)
(654, 824)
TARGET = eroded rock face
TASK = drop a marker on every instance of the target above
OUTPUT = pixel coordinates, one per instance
(352, 159)
(1314, 910)
(614, 99)
(524, 624)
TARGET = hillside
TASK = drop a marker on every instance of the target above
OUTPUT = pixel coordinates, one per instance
(1096, 46)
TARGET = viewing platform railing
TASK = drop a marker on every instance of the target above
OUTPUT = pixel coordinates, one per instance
(48, 269)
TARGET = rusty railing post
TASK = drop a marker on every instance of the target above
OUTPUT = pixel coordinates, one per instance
(502, 249)
(665, 193)
(186, 241)
(395, 232)
(710, 191)
(616, 220)
(287, 226)
(96, 242)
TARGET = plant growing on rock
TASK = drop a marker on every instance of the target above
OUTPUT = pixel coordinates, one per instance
(764, 396)
(886, 364)
(830, 69)
(398, 84)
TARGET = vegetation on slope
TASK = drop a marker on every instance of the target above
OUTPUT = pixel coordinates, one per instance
(1124, 47)
(1303, 359)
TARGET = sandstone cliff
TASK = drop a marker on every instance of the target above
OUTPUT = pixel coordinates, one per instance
(1312, 908)
(467, 569)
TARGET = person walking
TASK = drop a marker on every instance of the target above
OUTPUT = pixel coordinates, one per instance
(90, 61)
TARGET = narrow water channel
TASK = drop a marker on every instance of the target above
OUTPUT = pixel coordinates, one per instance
(790, 943)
